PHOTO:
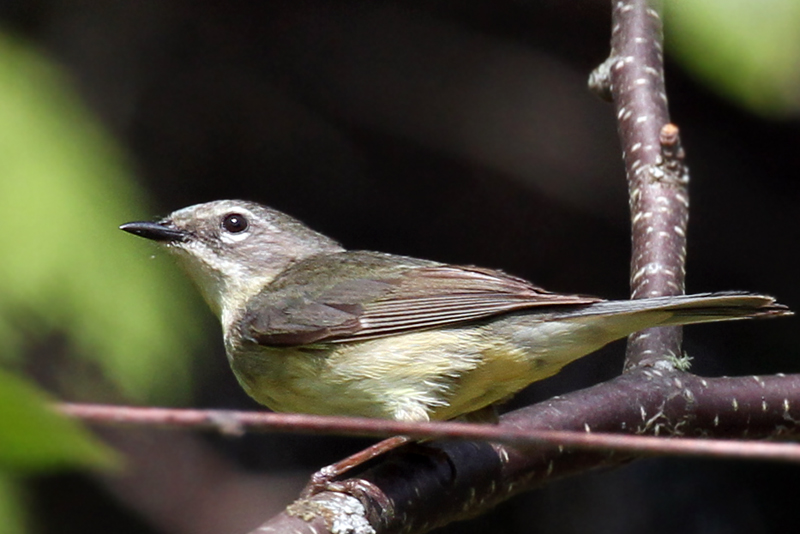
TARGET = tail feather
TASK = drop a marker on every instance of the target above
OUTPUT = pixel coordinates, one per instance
(692, 309)
(726, 305)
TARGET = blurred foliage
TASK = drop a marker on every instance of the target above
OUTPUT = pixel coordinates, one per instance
(67, 270)
(34, 437)
(12, 515)
(747, 51)
(77, 294)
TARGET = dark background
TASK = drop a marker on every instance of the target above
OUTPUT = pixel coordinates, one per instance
(459, 131)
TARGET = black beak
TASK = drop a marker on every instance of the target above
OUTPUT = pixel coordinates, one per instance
(160, 231)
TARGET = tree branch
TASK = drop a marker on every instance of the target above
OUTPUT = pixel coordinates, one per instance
(415, 491)
(516, 430)
(423, 486)
(633, 77)
(420, 487)
(652, 397)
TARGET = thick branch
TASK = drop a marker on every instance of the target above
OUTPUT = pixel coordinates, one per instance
(416, 491)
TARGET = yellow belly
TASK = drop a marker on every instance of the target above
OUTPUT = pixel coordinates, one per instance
(435, 374)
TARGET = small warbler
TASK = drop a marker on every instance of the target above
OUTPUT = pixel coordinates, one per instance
(313, 328)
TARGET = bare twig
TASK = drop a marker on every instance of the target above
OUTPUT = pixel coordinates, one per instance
(633, 76)
(417, 491)
(237, 422)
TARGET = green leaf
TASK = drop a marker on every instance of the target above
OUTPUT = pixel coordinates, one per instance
(13, 519)
(67, 270)
(747, 51)
(34, 437)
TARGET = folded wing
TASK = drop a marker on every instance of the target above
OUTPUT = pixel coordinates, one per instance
(388, 298)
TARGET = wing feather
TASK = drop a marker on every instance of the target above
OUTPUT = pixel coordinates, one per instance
(388, 300)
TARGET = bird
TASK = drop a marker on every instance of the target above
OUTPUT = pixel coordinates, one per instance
(311, 327)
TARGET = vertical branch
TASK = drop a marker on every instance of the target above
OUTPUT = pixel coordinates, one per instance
(633, 77)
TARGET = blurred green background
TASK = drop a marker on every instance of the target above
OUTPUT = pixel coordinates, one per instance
(459, 131)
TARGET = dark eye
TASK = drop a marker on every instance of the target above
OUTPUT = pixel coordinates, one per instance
(235, 223)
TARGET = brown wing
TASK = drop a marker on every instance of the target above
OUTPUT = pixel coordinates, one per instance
(390, 299)
(438, 296)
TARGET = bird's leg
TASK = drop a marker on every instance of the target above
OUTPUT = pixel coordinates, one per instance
(323, 480)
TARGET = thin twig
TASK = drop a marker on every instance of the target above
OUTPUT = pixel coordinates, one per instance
(659, 201)
(237, 422)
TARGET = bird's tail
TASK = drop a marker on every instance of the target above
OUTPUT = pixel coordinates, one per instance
(683, 309)
(705, 307)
